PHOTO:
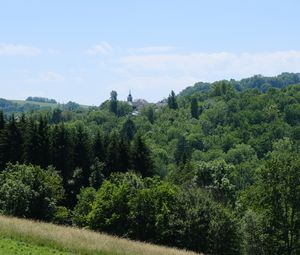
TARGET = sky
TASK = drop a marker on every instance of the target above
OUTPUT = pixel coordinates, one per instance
(82, 50)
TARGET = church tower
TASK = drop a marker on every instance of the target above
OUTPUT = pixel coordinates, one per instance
(129, 98)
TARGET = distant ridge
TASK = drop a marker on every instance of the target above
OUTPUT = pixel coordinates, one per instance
(262, 83)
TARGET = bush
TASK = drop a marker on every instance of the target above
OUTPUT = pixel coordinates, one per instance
(29, 191)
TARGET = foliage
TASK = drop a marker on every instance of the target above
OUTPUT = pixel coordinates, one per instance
(29, 191)
(215, 171)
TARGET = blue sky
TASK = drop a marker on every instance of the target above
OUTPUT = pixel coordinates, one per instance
(81, 50)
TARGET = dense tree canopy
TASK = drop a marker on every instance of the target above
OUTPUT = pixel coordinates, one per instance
(214, 170)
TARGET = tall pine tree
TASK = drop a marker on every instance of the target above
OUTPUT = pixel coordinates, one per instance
(194, 108)
(141, 157)
(172, 102)
(113, 154)
(11, 143)
(2, 121)
(82, 153)
(62, 151)
(113, 106)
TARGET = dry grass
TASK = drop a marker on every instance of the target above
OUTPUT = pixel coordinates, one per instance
(79, 241)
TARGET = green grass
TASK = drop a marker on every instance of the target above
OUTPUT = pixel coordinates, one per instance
(41, 104)
(14, 247)
(20, 236)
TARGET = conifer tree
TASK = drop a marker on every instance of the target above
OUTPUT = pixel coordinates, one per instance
(11, 143)
(128, 129)
(194, 108)
(172, 103)
(96, 178)
(31, 143)
(124, 155)
(113, 154)
(44, 142)
(61, 151)
(2, 121)
(141, 157)
(99, 147)
(82, 153)
(113, 102)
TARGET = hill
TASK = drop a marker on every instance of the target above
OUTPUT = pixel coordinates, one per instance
(18, 236)
(22, 106)
(210, 172)
(262, 83)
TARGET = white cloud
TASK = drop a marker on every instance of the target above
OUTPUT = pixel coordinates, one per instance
(153, 49)
(18, 50)
(103, 48)
(213, 66)
(46, 77)
(150, 75)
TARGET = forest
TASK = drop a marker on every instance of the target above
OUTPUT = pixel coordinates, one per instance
(216, 169)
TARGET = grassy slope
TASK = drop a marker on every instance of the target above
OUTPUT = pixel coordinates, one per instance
(41, 104)
(76, 241)
(22, 102)
(15, 247)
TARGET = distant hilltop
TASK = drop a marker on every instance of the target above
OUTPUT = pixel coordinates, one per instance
(41, 100)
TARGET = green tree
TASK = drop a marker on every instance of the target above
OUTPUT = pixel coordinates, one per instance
(194, 108)
(56, 116)
(112, 155)
(141, 157)
(113, 106)
(82, 152)
(85, 199)
(150, 212)
(29, 191)
(277, 199)
(2, 121)
(172, 102)
(62, 151)
(99, 147)
(96, 178)
(110, 208)
(11, 143)
(128, 130)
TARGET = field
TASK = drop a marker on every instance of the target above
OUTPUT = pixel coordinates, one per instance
(42, 104)
(14, 247)
(19, 236)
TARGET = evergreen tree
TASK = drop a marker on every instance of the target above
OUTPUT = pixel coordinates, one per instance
(141, 157)
(99, 147)
(36, 142)
(194, 108)
(172, 103)
(128, 129)
(124, 155)
(61, 151)
(82, 153)
(2, 121)
(56, 116)
(96, 178)
(150, 114)
(31, 143)
(11, 143)
(113, 154)
(44, 142)
(182, 151)
(113, 102)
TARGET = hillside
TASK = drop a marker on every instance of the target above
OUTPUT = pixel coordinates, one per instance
(201, 172)
(262, 83)
(23, 106)
(18, 236)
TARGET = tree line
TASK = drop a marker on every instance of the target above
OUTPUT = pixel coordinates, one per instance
(215, 172)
